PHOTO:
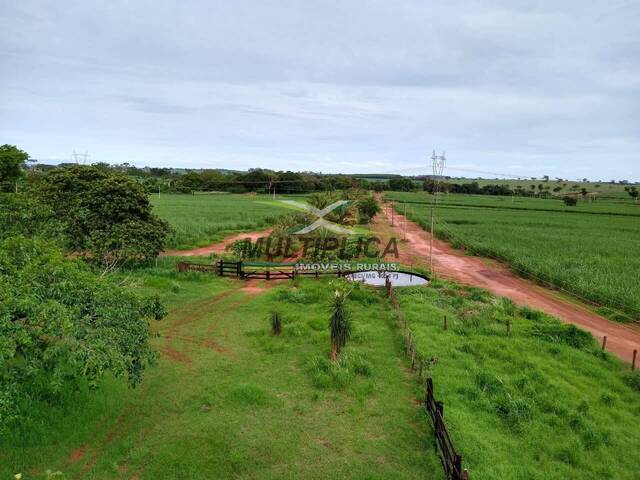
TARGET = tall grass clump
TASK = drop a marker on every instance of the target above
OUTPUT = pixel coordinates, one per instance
(339, 322)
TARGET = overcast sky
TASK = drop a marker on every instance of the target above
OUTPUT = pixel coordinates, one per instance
(515, 87)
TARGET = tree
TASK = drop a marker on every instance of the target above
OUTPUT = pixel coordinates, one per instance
(62, 325)
(104, 216)
(23, 215)
(570, 201)
(12, 163)
(339, 323)
(401, 184)
(633, 192)
(367, 208)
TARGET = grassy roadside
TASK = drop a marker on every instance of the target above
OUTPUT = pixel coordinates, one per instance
(541, 403)
(229, 400)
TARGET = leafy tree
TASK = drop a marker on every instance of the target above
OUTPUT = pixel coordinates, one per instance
(570, 201)
(21, 214)
(104, 216)
(12, 163)
(367, 208)
(62, 325)
(339, 323)
(633, 192)
(379, 186)
(401, 184)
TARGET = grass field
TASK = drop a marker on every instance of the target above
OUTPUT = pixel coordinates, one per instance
(542, 403)
(229, 400)
(199, 220)
(587, 249)
(605, 189)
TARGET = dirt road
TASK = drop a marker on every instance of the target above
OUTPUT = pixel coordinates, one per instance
(497, 278)
(218, 247)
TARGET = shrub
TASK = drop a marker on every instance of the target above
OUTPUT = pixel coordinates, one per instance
(249, 394)
(570, 201)
(367, 208)
(530, 314)
(633, 380)
(339, 323)
(276, 323)
(557, 332)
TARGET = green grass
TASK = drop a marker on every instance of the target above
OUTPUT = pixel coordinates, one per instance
(543, 403)
(586, 250)
(199, 220)
(247, 404)
(602, 188)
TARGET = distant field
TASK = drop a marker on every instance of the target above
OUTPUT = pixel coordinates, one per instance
(590, 250)
(200, 220)
(603, 188)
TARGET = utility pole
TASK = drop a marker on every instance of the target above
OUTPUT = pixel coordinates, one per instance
(404, 222)
(438, 162)
(392, 214)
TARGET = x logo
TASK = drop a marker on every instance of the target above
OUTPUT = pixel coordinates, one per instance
(320, 222)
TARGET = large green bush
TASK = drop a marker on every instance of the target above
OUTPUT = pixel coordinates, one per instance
(104, 216)
(60, 324)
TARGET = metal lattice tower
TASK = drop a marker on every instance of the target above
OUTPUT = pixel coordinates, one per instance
(438, 163)
(80, 157)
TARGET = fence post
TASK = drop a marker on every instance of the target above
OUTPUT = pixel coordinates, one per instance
(604, 342)
(445, 322)
(220, 272)
(633, 362)
(457, 464)
(440, 409)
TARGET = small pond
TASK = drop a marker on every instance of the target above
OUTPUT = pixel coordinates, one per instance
(377, 279)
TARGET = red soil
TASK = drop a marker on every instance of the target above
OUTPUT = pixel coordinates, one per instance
(76, 455)
(217, 247)
(498, 279)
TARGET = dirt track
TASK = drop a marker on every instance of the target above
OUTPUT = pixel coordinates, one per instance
(217, 247)
(498, 279)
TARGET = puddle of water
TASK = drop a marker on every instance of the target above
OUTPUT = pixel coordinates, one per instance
(377, 279)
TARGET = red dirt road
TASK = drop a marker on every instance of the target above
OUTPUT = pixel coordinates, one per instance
(217, 247)
(498, 279)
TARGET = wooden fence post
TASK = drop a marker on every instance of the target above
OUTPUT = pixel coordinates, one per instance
(445, 322)
(633, 362)
(604, 342)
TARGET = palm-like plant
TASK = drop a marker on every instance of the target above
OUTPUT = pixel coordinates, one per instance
(276, 323)
(339, 323)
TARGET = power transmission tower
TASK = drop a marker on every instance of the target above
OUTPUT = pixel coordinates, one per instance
(80, 157)
(438, 162)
